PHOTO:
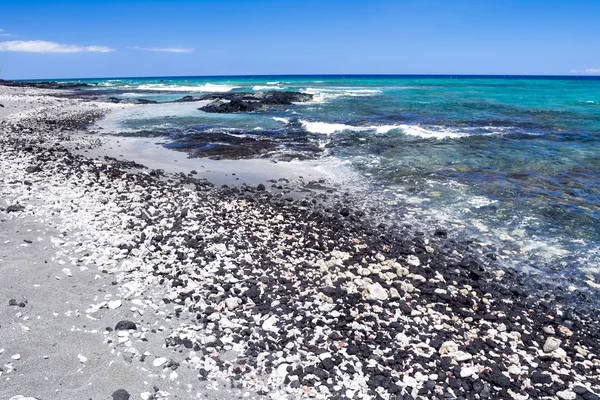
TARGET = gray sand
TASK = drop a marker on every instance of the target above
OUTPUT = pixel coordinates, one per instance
(52, 346)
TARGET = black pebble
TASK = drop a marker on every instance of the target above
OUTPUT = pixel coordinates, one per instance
(121, 394)
(539, 377)
(125, 325)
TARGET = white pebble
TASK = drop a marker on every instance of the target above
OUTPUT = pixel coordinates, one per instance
(159, 361)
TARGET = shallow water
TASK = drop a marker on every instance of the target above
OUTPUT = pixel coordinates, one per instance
(513, 161)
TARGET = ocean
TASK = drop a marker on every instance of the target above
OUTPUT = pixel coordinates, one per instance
(512, 162)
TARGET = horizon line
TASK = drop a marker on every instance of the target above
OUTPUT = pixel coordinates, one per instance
(323, 75)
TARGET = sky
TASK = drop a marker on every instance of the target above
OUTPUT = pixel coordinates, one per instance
(92, 39)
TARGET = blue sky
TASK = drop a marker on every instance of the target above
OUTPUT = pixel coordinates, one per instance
(76, 39)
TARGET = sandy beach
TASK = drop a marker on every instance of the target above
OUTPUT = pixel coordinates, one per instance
(130, 273)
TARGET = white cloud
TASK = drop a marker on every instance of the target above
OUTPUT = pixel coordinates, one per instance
(165, 49)
(42, 46)
(592, 71)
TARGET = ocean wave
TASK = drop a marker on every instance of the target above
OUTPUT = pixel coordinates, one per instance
(321, 95)
(326, 128)
(208, 87)
(441, 133)
(280, 119)
(270, 87)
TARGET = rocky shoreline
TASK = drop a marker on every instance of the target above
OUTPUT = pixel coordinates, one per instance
(285, 297)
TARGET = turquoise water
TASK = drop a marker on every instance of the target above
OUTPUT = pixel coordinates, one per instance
(513, 161)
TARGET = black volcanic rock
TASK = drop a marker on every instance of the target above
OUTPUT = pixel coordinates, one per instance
(45, 85)
(248, 102)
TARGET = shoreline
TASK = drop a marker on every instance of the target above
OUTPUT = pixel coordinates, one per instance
(291, 298)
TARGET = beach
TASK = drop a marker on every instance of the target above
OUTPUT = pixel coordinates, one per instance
(132, 271)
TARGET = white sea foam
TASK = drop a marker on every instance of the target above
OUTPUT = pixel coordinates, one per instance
(280, 119)
(273, 83)
(327, 128)
(209, 87)
(269, 87)
(442, 133)
(322, 95)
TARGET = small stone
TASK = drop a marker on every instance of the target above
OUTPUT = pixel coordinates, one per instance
(232, 303)
(514, 370)
(581, 351)
(566, 395)
(121, 394)
(413, 260)
(448, 347)
(559, 353)
(548, 330)
(565, 331)
(466, 372)
(159, 361)
(113, 305)
(580, 390)
(125, 325)
(409, 381)
(16, 357)
(82, 358)
(377, 292)
(461, 356)
(394, 294)
(539, 377)
(269, 324)
(551, 344)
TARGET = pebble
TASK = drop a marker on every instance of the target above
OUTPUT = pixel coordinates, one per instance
(113, 305)
(466, 372)
(125, 325)
(514, 370)
(566, 395)
(121, 394)
(377, 292)
(551, 344)
(159, 361)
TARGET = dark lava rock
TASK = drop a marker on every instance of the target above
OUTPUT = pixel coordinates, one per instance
(540, 377)
(345, 212)
(248, 102)
(233, 106)
(121, 394)
(125, 325)
(13, 302)
(261, 187)
(45, 85)
(33, 168)
(590, 396)
(580, 390)
(186, 99)
(15, 208)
